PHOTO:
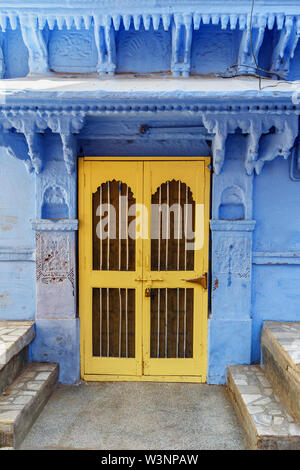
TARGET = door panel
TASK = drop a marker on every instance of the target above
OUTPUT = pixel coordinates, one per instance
(110, 295)
(178, 254)
(143, 312)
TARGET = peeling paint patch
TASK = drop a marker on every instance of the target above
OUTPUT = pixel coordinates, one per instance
(4, 299)
(7, 222)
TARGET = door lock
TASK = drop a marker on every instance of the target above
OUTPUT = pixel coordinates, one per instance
(148, 292)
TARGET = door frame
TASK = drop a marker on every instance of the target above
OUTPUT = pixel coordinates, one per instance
(81, 261)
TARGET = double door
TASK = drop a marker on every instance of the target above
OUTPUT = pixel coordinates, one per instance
(143, 256)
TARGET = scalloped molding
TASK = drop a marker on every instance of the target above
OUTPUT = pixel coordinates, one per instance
(47, 225)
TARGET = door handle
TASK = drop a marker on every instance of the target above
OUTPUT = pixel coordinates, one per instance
(202, 280)
(141, 279)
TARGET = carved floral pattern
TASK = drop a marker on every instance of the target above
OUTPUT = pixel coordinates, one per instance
(53, 258)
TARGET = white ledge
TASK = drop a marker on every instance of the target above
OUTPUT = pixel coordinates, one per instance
(152, 84)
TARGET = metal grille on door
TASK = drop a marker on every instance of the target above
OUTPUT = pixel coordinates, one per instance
(172, 227)
(113, 250)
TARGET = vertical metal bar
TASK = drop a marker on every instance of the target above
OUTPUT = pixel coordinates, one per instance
(178, 265)
(126, 316)
(166, 324)
(158, 266)
(107, 290)
(107, 322)
(100, 295)
(127, 266)
(100, 290)
(167, 247)
(108, 221)
(101, 228)
(167, 226)
(120, 292)
(185, 266)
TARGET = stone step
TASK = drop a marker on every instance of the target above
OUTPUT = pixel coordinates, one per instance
(280, 344)
(23, 401)
(14, 340)
(267, 423)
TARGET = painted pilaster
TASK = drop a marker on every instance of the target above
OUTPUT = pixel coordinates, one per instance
(230, 324)
(57, 338)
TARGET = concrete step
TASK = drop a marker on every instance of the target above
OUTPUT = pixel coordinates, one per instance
(23, 401)
(14, 340)
(267, 423)
(280, 343)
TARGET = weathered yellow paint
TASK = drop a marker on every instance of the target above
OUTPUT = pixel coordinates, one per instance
(144, 176)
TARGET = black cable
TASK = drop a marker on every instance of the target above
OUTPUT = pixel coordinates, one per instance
(251, 45)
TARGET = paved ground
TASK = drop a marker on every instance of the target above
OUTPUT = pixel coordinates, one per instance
(137, 416)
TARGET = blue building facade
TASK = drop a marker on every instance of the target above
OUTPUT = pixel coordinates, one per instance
(155, 78)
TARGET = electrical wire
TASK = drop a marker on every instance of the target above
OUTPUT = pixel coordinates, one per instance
(251, 45)
(256, 68)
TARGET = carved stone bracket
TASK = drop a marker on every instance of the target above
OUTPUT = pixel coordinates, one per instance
(35, 43)
(181, 45)
(285, 48)
(262, 145)
(26, 125)
(67, 125)
(105, 43)
(246, 62)
(32, 125)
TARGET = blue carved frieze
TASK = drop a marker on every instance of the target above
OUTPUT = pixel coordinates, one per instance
(72, 51)
(202, 37)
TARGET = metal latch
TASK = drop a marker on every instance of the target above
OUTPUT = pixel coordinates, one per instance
(202, 280)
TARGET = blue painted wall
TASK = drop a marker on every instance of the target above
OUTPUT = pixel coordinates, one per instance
(17, 207)
(275, 288)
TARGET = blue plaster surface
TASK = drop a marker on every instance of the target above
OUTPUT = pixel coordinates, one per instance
(17, 203)
(17, 269)
(276, 211)
(275, 298)
(275, 289)
(229, 342)
(58, 341)
(17, 290)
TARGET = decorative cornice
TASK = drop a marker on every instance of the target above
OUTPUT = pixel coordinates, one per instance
(232, 225)
(47, 225)
(270, 126)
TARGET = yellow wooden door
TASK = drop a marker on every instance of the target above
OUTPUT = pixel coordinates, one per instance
(143, 302)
